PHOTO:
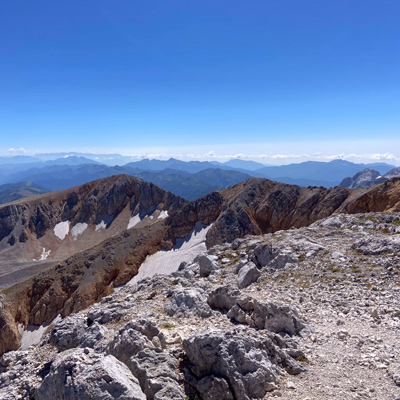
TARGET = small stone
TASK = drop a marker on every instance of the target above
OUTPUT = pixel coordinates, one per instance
(343, 334)
(290, 385)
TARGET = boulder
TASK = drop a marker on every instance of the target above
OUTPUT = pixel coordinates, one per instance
(263, 254)
(156, 372)
(93, 336)
(82, 374)
(68, 333)
(223, 298)
(133, 338)
(248, 275)
(107, 311)
(274, 317)
(285, 256)
(187, 302)
(248, 360)
(271, 316)
(207, 264)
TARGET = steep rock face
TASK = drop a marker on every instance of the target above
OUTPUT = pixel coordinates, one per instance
(385, 197)
(206, 210)
(262, 206)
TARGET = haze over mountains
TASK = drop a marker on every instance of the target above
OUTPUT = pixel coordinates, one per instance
(187, 179)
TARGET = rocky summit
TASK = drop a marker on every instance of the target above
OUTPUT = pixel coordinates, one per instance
(290, 293)
(369, 177)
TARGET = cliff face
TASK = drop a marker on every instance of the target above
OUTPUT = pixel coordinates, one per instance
(260, 206)
(384, 197)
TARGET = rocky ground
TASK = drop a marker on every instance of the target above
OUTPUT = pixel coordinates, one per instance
(310, 313)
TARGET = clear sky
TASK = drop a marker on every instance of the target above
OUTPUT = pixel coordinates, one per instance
(274, 78)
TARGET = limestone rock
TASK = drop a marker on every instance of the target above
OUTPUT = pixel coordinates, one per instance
(223, 298)
(248, 275)
(214, 388)
(77, 375)
(270, 316)
(93, 336)
(68, 333)
(132, 338)
(246, 359)
(207, 264)
(156, 371)
(263, 254)
(186, 302)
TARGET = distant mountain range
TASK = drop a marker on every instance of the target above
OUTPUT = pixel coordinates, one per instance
(332, 172)
(187, 179)
(369, 177)
(14, 191)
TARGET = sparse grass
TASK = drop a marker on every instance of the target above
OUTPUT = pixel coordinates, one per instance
(302, 359)
(356, 269)
(233, 257)
(333, 268)
(166, 325)
(304, 284)
(302, 257)
(219, 280)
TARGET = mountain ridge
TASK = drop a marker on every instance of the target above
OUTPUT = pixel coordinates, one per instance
(257, 206)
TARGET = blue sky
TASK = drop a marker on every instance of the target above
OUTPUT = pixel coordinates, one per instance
(206, 78)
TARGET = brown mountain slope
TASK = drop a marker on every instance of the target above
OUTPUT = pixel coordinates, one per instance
(95, 259)
(59, 224)
(260, 206)
(76, 283)
(384, 197)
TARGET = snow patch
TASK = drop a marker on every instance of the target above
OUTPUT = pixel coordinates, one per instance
(101, 225)
(133, 221)
(163, 214)
(62, 229)
(44, 255)
(104, 223)
(78, 229)
(167, 262)
(33, 333)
